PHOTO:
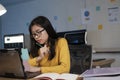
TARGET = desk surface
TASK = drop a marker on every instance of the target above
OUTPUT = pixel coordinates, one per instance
(1, 78)
(97, 63)
(9, 79)
(89, 78)
(103, 62)
(107, 50)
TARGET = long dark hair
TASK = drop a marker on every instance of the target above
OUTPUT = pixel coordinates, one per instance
(46, 24)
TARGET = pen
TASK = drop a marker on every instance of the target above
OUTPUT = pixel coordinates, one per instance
(39, 44)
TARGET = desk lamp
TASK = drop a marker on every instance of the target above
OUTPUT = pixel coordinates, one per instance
(2, 10)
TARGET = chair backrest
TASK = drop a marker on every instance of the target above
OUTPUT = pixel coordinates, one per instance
(81, 58)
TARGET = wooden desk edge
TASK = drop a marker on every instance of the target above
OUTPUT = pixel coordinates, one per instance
(103, 62)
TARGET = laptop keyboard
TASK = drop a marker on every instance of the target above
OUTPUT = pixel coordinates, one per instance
(32, 74)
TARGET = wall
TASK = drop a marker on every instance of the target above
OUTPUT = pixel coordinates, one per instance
(0, 33)
(64, 15)
(67, 15)
(103, 33)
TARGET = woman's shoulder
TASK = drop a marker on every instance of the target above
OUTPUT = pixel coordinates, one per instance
(61, 39)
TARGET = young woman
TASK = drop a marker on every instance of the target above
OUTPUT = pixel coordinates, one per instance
(49, 53)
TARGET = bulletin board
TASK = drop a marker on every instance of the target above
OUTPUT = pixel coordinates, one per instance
(104, 29)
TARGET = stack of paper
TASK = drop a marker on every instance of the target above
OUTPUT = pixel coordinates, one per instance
(101, 72)
(103, 78)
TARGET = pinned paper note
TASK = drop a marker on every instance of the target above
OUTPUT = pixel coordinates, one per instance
(97, 8)
(86, 16)
(79, 26)
(112, 1)
(55, 17)
(69, 19)
(25, 54)
(100, 27)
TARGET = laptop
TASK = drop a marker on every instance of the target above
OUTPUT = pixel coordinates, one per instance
(11, 65)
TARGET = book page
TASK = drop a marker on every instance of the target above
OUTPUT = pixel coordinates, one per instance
(55, 76)
(68, 76)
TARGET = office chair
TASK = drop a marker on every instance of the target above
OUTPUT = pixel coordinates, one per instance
(80, 53)
(81, 58)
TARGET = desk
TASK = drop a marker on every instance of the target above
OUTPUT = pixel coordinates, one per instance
(103, 63)
(1, 78)
(107, 50)
(10, 79)
(89, 78)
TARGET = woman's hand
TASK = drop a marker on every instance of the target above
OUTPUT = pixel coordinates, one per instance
(34, 69)
(43, 51)
(29, 68)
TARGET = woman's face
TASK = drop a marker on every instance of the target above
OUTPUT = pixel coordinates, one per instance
(39, 34)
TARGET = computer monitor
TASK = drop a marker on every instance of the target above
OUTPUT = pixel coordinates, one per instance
(14, 40)
(76, 37)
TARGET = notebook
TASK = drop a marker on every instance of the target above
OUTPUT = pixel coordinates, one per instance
(107, 71)
(11, 65)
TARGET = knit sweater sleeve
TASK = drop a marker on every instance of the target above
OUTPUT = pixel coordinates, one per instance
(63, 56)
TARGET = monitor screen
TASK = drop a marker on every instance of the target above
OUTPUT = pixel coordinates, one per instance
(75, 37)
(14, 40)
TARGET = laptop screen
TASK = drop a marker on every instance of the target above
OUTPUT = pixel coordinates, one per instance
(11, 64)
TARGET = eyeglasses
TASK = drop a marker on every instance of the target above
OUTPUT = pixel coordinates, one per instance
(37, 34)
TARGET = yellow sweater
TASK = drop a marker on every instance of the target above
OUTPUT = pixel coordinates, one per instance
(60, 63)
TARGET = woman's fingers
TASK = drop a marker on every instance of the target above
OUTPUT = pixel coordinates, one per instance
(44, 50)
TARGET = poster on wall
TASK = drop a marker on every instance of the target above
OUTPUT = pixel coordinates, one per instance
(114, 14)
(86, 16)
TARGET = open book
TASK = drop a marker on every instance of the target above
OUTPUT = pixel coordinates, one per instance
(56, 76)
(91, 73)
(113, 71)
